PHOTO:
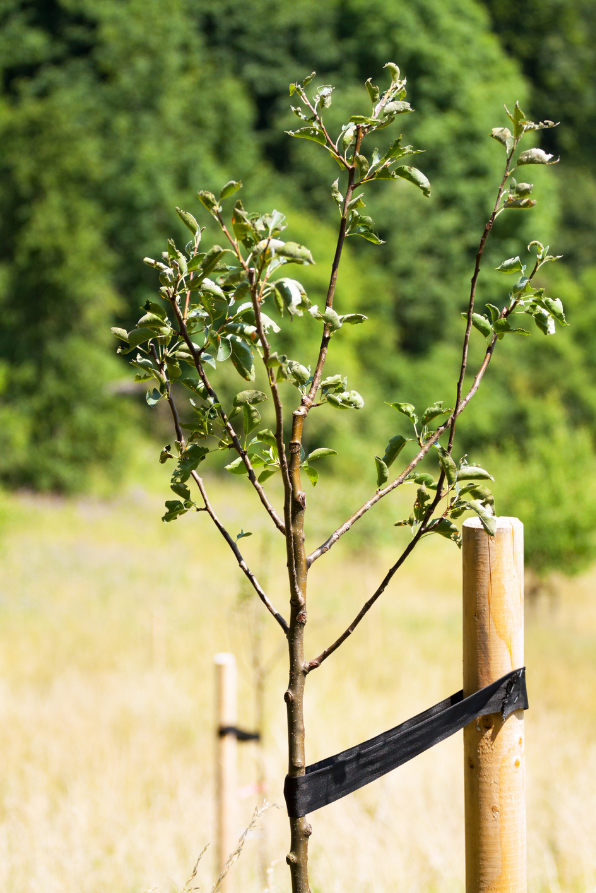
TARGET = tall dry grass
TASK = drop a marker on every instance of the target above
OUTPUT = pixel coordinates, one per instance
(108, 623)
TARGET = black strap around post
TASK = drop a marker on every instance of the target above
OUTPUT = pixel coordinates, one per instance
(335, 777)
(239, 734)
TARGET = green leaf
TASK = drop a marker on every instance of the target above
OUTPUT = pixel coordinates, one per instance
(406, 409)
(193, 384)
(337, 196)
(396, 108)
(448, 465)
(174, 509)
(482, 494)
(353, 319)
(481, 323)
(518, 120)
(488, 521)
(473, 473)
(535, 156)
(555, 306)
(503, 135)
(431, 412)
(446, 528)
(503, 327)
(308, 79)
(209, 201)
(394, 72)
(312, 474)
(345, 400)
(382, 472)
(333, 381)
(513, 265)
(393, 449)
(362, 165)
(188, 220)
(360, 225)
(331, 319)
(165, 455)
(188, 462)
(242, 358)
(320, 452)
(363, 120)
(522, 204)
(268, 437)
(251, 397)
(267, 473)
(422, 477)
(181, 490)
(298, 372)
(413, 175)
(138, 336)
(309, 133)
(250, 418)
(237, 466)
(120, 333)
(544, 321)
(210, 261)
(153, 397)
(243, 534)
(230, 188)
(373, 92)
(292, 296)
(293, 253)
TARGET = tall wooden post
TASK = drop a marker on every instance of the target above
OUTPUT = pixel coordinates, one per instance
(226, 716)
(494, 768)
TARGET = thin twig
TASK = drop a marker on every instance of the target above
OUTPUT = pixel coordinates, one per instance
(419, 456)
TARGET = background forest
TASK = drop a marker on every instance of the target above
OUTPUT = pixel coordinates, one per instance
(112, 113)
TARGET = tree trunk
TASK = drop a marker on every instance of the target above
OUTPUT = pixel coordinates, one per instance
(300, 830)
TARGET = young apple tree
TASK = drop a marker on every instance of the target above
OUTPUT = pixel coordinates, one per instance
(227, 304)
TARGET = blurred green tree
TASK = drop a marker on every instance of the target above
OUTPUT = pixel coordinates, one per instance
(112, 113)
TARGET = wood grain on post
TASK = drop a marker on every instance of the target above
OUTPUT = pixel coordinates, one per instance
(494, 768)
(226, 707)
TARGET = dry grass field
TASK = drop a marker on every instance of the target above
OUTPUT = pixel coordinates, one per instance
(109, 620)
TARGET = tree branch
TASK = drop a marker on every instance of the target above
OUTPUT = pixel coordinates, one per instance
(419, 456)
(209, 508)
(279, 435)
(313, 664)
(474, 281)
(226, 422)
(241, 562)
(341, 238)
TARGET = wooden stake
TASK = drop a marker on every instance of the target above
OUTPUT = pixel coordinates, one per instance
(494, 768)
(225, 671)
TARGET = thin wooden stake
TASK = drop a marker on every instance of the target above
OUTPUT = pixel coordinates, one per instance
(226, 699)
(494, 767)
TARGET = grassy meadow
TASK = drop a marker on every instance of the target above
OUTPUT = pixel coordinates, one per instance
(109, 621)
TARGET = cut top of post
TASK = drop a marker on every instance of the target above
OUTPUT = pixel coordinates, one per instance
(493, 601)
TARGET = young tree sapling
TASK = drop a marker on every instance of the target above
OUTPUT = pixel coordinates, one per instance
(212, 309)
